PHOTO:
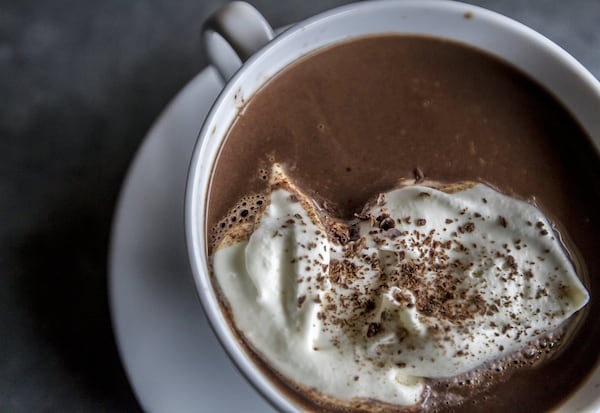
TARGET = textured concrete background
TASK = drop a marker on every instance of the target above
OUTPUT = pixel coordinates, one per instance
(80, 84)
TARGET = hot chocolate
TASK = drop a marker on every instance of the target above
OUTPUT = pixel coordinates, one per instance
(353, 120)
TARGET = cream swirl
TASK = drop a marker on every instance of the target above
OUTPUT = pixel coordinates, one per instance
(424, 283)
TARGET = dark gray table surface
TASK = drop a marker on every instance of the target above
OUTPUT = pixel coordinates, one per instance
(80, 84)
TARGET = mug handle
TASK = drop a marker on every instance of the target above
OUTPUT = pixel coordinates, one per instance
(232, 34)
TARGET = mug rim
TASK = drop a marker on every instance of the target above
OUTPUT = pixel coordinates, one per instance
(195, 192)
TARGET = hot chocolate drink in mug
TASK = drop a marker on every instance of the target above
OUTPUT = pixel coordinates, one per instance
(394, 212)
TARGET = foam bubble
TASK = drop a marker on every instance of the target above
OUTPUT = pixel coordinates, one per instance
(244, 212)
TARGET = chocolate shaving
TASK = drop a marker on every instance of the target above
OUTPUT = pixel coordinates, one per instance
(387, 223)
(502, 221)
(338, 232)
(301, 300)
(373, 329)
(370, 305)
(362, 216)
(468, 227)
(418, 175)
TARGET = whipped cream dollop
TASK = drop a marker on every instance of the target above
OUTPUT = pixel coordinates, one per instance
(424, 283)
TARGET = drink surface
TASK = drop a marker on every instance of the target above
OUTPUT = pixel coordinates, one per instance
(350, 122)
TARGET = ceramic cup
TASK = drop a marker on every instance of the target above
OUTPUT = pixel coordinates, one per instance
(241, 45)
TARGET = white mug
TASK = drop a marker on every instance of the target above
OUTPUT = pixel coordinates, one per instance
(254, 56)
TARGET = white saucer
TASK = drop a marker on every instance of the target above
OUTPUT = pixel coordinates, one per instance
(172, 358)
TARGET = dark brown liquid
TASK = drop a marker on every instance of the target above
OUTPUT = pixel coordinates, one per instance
(350, 121)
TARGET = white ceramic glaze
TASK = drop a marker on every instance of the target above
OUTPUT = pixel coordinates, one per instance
(238, 26)
(515, 43)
